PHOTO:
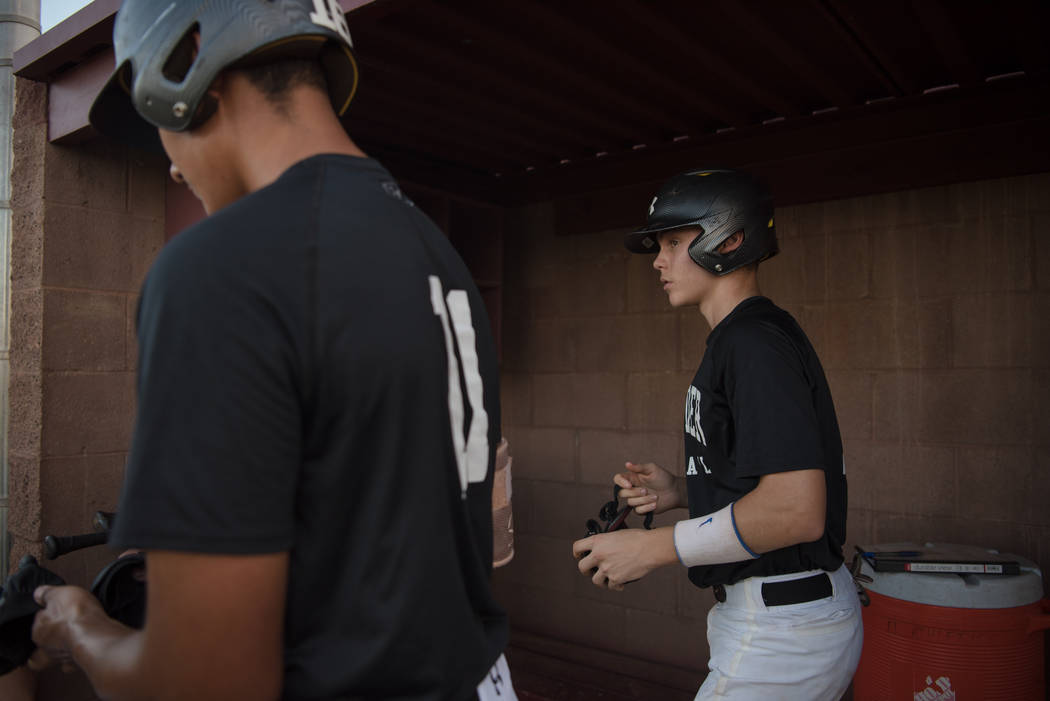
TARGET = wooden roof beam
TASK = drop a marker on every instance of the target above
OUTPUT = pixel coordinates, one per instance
(620, 106)
(651, 21)
(524, 96)
(860, 48)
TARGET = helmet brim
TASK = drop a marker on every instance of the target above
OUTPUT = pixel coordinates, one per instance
(646, 239)
(113, 114)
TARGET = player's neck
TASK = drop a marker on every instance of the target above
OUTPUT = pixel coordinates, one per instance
(730, 290)
(270, 141)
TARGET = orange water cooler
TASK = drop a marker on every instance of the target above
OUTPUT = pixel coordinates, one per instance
(948, 637)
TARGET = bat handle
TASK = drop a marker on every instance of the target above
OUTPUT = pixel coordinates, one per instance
(55, 546)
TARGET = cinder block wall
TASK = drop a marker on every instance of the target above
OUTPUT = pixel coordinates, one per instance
(930, 311)
(88, 222)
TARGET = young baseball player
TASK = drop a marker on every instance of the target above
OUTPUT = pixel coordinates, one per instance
(318, 411)
(764, 480)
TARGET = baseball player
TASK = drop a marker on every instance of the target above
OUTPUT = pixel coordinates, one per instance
(318, 412)
(764, 478)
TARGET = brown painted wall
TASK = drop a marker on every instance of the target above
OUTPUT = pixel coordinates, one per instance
(930, 311)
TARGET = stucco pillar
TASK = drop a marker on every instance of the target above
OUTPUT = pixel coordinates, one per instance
(19, 24)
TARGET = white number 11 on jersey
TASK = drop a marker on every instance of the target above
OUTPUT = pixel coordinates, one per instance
(472, 453)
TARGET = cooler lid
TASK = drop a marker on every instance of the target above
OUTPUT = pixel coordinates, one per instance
(965, 590)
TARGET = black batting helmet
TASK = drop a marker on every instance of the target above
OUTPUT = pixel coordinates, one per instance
(719, 203)
(160, 80)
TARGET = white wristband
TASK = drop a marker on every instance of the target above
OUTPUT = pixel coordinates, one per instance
(710, 540)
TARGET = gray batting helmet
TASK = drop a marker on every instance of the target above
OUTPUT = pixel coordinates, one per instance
(160, 78)
(719, 203)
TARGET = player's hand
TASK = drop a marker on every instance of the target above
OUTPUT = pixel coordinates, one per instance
(63, 608)
(648, 487)
(614, 559)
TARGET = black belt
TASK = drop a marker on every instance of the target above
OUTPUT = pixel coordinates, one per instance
(793, 591)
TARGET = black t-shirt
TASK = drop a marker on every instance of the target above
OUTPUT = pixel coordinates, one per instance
(317, 375)
(760, 404)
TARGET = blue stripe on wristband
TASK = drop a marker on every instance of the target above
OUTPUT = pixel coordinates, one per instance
(736, 530)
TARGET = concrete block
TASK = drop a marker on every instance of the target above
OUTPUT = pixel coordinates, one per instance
(812, 318)
(92, 175)
(910, 479)
(98, 250)
(849, 267)
(84, 331)
(601, 245)
(568, 619)
(514, 351)
(993, 330)
(30, 103)
(25, 417)
(516, 302)
(554, 399)
(694, 603)
(816, 253)
(862, 473)
(1040, 224)
(603, 453)
(72, 489)
(627, 343)
(896, 264)
(87, 413)
(27, 247)
(551, 509)
(896, 409)
(692, 339)
(131, 340)
(986, 407)
(860, 531)
(543, 453)
(544, 563)
(891, 527)
(644, 293)
(787, 222)
(592, 285)
(915, 207)
(23, 482)
(656, 400)
(852, 392)
(1040, 379)
(887, 334)
(147, 179)
(1038, 195)
(996, 482)
(27, 330)
(541, 345)
(1038, 495)
(994, 255)
(1004, 536)
(516, 399)
(681, 642)
(580, 400)
(785, 277)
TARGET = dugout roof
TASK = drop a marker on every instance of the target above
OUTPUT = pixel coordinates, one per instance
(509, 102)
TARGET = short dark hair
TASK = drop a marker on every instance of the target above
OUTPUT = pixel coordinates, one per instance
(274, 79)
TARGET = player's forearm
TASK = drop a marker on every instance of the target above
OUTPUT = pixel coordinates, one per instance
(111, 656)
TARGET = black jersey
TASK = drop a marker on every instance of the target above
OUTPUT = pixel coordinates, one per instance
(317, 375)
(760, 404)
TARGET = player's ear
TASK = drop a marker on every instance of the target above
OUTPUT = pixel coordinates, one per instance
(732, 243)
